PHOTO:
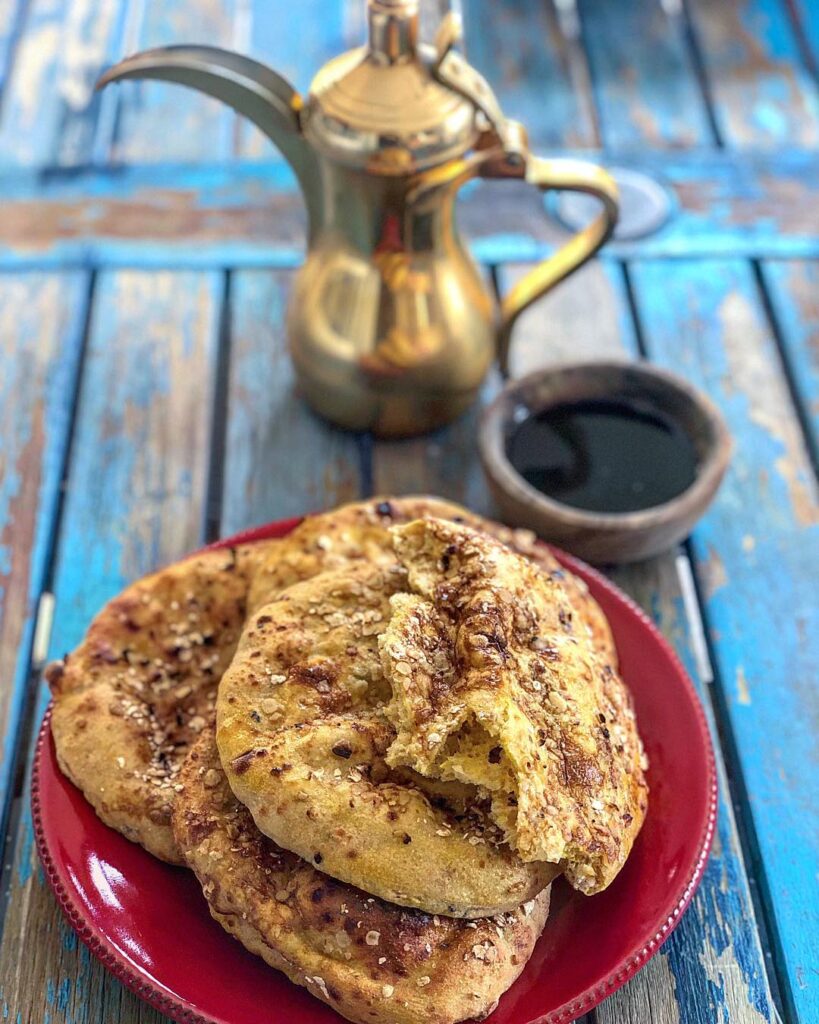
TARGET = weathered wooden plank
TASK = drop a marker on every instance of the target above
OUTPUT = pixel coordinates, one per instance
(761, 90)
(587, 317)
(49, 90)
(41, 326)
(521, 50)
(281, 460)
(712, 967)
(247, 214)
(644, 81)
(157, 121)
(712, 964)
(135, 499)
(757, 557)
(793, 288)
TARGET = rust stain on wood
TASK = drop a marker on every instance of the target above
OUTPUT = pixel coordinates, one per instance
(17, 539)
(713, 573)
(31, 226)
(787, 202)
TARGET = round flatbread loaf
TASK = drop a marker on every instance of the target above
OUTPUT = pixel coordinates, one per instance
(302, 733)
(141, 686)
(371, 961)
(438, 732)
(359, 534)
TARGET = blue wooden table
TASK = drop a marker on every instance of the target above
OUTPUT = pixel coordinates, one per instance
(147, 245)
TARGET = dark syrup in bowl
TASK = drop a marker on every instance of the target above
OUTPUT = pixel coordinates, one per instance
(604, 454)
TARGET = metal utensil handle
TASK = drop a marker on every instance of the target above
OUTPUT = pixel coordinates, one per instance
(547, 174)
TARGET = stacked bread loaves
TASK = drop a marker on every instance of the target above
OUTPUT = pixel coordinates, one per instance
(375, 741)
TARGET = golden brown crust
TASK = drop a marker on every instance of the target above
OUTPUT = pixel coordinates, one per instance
(358, 534)
(354, 534)
(302, 734)
(142, 685)
(494, 686)
(371, 961)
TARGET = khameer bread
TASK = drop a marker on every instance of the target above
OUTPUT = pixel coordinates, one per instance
(142, 685)
(373, 962)
(494, 687)
(303, 734)
(463, 666)
(358, 533)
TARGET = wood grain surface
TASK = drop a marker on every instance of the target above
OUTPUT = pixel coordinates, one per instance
(793, 288)
(761, 90)
(135, 500)
(41, 334)
(521, 49)
(49, 85)
(647, 93)
(280, 459)
(10, 17)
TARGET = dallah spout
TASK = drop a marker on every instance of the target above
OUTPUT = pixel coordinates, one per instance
(250, 88)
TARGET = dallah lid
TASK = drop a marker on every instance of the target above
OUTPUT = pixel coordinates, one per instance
(385, 106)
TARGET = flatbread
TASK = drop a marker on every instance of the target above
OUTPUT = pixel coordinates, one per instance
(142, 686)
(303, 734)
(437, 732)
(371, 961)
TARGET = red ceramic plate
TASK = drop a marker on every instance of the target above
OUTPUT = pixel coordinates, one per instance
(149, 923)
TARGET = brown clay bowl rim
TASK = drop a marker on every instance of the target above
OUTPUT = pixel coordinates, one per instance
(710, 469)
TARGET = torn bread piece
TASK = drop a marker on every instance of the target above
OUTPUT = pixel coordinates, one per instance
(495, 687)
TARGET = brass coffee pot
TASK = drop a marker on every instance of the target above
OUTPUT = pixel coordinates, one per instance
(390, 325)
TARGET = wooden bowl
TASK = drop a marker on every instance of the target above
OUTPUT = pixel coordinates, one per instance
(604, 536)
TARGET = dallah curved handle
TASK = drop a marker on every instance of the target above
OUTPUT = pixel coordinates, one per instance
(547, 174)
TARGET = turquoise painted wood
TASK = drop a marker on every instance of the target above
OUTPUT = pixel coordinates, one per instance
(644, 80)
(713, 963)
(135, 500)
(41, 326)
(247, 214)
(757, 558)
(10, 18)
(519, 48)
(280, 460)
(94, 36)
(762, 92)
(49, 86)
(157, 121)
(793, 287)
